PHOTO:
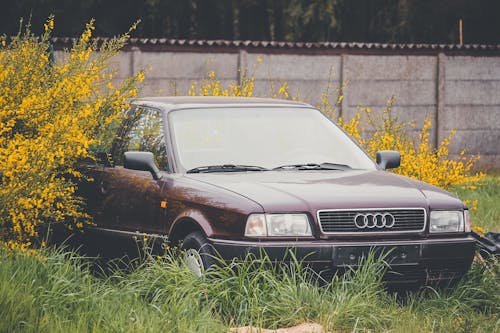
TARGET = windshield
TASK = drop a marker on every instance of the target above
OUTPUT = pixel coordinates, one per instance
(267, 137)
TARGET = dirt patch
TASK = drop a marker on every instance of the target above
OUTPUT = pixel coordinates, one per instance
(302, 328)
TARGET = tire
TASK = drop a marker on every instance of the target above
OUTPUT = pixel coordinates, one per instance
(197, 253)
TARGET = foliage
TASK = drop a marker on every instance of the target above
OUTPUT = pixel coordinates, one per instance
(398, 21)
(60, 293)
(51, 114)
(486, 216)
(419, 160)
(315, 19)
(213, 87)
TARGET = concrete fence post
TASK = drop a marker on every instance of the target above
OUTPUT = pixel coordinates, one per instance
(242, 65)
(440, 98)
(134, 56)
(341, 80)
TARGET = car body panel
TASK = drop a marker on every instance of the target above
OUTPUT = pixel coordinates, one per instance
(281, 191)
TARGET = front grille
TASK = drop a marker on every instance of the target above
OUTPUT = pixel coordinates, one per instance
(343, 221)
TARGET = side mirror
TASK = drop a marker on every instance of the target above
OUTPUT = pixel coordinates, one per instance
(141, 160)
(388, 159)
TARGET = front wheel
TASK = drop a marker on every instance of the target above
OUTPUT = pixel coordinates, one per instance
(197, 253)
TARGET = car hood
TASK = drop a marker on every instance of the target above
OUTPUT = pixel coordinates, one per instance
(296, 191)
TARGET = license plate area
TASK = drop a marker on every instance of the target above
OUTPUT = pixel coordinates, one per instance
(394, 255)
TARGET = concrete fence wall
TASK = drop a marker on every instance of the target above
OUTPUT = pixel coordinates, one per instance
(460, 92)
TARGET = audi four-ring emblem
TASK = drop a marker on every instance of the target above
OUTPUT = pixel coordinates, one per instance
(374, 220)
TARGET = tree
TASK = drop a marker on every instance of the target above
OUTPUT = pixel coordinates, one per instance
(401, 21)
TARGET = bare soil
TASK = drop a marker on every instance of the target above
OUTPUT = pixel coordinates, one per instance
(302, 328)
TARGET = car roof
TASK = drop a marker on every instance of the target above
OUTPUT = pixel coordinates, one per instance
(175, 102)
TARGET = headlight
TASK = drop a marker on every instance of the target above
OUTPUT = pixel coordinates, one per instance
(446, 221)
(277, 225)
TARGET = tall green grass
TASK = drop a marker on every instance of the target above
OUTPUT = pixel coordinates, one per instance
(61, 293)
(487, 194)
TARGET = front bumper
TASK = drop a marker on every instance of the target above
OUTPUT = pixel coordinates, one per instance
(411, 261)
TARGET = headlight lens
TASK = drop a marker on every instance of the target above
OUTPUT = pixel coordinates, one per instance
(278, 225)
(446, 221)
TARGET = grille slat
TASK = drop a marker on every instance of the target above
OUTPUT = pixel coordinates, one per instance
(342, 221)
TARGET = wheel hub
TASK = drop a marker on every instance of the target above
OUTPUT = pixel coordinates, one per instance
(194, 262)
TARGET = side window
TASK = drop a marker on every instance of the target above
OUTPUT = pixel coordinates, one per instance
(142, 131)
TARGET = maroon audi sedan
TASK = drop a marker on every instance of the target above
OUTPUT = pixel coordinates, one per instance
(224, 177)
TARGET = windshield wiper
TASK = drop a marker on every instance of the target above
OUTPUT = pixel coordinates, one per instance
(314, 166)
(226, 168)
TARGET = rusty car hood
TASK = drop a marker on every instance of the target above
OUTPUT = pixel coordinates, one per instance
(294, 191)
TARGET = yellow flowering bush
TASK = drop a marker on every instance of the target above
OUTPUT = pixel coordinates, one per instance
(419, 159)
(52, 114)
(213, 87)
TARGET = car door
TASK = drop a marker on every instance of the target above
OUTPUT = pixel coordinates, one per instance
(131, 200)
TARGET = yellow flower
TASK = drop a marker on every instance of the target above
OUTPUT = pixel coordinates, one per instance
(478, 229)
(140, 76)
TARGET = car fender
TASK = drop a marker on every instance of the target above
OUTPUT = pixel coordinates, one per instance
(188, 220)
